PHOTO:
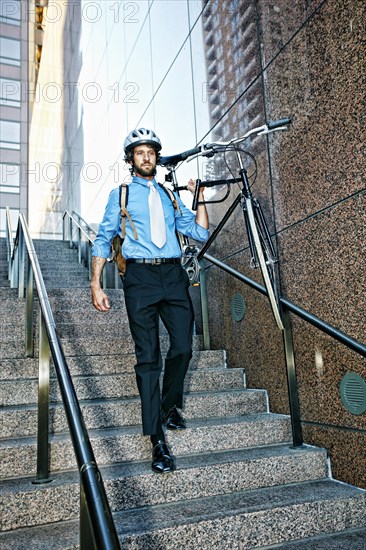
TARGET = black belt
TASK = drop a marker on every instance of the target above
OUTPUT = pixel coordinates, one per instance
(153, 261)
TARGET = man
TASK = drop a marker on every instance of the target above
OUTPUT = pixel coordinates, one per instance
(155, 285)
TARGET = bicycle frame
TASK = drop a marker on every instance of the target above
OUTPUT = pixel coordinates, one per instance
(259, 237)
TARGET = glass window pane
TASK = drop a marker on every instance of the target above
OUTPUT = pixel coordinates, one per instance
(10, 11)
(10, 92)
(9, 175)
(9, 134)
(10, 51)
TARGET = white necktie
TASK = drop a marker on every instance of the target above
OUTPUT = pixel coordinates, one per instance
(157, 220)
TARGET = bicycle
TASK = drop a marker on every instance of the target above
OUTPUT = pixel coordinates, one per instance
(259, 239)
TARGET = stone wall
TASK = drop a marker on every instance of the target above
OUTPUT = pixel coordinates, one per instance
(311, 184)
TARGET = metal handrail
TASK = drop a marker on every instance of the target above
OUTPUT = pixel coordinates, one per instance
(81, 219)
(335, 333)
(85, 257)
(288, 306)
(97, 529)
(66, 213)
(82, 257)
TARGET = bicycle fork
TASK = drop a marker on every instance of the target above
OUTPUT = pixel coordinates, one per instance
(264, 234)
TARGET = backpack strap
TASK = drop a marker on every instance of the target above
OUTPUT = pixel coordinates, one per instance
(171, 195)
(123, 198)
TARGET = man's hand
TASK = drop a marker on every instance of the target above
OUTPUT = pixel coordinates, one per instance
(201, 214)
(100, 299)
(191, 186)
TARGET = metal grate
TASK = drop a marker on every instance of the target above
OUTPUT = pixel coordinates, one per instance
(238, 307)
(353, 393)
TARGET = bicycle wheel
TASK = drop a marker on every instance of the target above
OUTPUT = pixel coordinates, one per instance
(266, 263)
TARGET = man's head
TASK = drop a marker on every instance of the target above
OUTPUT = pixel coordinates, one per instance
(142, 148)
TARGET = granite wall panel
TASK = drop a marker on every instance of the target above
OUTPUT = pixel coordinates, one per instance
(311, 184)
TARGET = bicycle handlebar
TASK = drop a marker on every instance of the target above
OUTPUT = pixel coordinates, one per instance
(206, 149)
(174, 159)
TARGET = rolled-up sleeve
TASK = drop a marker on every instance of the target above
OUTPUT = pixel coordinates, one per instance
(109, 227)
(187, 225)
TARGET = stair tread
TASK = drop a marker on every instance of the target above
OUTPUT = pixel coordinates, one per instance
(136, 429)
(58, 405)
(186, 462)
(211, 521)
(352, 539)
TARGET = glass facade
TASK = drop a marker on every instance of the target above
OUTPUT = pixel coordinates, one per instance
(143, 65)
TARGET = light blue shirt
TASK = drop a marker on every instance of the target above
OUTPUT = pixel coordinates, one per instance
(138, 208)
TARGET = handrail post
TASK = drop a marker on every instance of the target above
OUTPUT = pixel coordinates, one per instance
(70, 232)
(63, 227)
(89, 261)
(29, 302)
(43, 459)
(15, 269)
(204, 308)
(293, 394)
(21, 265)
(79, 245)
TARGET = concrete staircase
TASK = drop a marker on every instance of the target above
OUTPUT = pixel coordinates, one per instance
(238, 484)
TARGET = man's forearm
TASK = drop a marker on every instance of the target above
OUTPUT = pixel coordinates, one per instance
(201, 213)
(97, 268)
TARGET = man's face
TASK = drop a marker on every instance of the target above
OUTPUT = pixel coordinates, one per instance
(144, 160)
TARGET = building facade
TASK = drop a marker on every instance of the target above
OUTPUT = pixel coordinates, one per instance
(14, 114)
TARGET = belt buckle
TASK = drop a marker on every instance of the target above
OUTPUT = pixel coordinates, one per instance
(156, 261)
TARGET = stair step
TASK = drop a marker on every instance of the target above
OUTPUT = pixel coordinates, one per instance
(134, 485)
(103, 345)
(248, 519)
(22, 421)
(114, 386)
(351, 539)
(12, 369)
(18, 456)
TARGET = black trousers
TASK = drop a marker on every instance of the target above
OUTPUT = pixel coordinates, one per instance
(153, 291)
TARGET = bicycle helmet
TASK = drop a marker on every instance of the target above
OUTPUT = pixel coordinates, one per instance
(139, 137)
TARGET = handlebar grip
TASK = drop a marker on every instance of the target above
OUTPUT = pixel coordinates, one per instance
(278, 123)
(190, 152)
(174, 159)
(196, 193)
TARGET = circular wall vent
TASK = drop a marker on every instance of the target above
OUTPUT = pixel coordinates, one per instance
(353, 393)
(238, 307)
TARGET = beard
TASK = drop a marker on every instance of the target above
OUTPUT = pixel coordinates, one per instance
(145, 171)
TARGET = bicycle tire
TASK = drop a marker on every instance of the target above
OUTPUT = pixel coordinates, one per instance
(268, 274)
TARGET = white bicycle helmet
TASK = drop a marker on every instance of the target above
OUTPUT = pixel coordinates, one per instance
(139, 137)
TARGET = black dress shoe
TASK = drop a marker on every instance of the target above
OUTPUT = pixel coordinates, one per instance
(174, 420)
(162, 460)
